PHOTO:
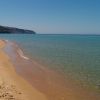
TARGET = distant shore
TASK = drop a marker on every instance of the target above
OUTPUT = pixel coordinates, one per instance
(14, 30)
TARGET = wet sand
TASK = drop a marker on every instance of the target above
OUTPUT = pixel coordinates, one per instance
(12, 86)
(46, 81)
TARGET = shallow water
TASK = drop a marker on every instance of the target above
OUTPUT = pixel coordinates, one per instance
(77, 56)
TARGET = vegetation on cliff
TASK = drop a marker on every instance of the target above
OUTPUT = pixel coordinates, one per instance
(12, 30)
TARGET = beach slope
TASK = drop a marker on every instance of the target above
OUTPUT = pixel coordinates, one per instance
(12, 86)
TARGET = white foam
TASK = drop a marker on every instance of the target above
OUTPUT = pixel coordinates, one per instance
(22, 54)
(6, 40)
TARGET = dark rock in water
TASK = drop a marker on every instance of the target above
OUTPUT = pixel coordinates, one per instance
(12, 30)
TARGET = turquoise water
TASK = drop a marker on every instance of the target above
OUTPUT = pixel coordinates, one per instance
(75, 55)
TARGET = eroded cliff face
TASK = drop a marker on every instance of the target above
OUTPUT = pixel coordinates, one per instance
(12, 30)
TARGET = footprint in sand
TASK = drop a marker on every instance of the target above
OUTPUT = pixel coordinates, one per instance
(8, 92)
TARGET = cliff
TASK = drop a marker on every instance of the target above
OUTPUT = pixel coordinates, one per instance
(12, 30)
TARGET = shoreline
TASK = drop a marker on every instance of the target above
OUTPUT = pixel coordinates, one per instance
(44, 80)
(12, 86)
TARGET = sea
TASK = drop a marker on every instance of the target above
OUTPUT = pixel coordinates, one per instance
(76, 56)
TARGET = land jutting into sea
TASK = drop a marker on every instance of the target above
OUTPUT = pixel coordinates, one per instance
(13, 30)
(21, 78)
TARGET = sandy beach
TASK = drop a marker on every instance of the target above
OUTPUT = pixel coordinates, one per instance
(24, 79)
(12, 86)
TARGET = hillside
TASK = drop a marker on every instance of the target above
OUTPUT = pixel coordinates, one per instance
(12, 30)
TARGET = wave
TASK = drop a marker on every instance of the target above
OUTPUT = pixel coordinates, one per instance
(20, 52)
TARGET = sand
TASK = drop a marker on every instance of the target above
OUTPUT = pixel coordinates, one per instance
(12, 86)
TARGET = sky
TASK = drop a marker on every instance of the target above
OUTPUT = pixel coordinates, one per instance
(52, 16)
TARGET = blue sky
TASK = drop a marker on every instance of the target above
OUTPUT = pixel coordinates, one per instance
(52, 16)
